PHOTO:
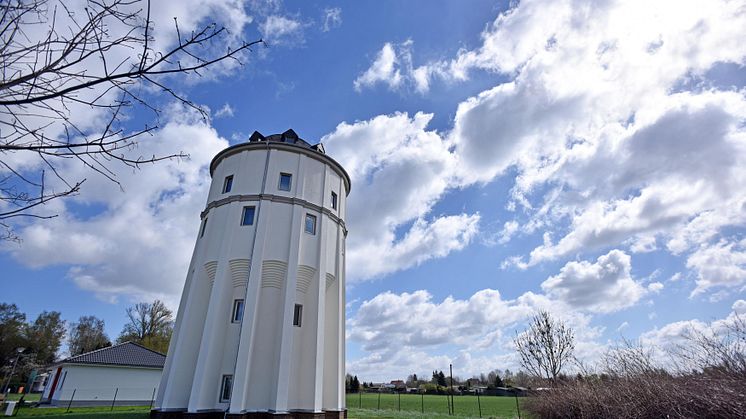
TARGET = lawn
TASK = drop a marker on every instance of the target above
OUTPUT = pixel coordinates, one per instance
(367, 405)
(411, 407)
(122, 412)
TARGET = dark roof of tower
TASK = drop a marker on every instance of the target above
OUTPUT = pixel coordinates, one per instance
(287, 137)
(280, 141)
(127, 354)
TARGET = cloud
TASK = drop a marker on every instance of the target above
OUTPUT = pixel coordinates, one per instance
(281, 30)
(332, 18)
(225, 112)
(604, 286)
(386, 68)
(475, 334)
(721, 264)
(399, 169)
(137, 242)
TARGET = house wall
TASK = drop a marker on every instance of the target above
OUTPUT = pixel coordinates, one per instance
(91, 385)
(273, 265)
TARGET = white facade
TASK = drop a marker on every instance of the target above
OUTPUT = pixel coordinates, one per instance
(289, 253)
(101, 384)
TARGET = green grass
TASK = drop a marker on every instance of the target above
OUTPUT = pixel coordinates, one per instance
(121, 412)
(411, 408)
(434, 406)
(32, 397)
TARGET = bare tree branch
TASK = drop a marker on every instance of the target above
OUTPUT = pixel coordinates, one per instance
(56, 62)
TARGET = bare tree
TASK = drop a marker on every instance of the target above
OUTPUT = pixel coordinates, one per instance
(87, 335)
(546, 346)
(150, 325)
(56, 63)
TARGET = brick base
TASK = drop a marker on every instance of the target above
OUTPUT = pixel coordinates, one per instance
(156, 414)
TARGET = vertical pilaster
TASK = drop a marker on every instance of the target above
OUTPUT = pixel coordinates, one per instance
(207, 374)
(240, 396)
(280, 403)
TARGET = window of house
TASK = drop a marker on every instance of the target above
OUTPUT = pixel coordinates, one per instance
(204, 227)
(310, 224)
(286, 181)
(237, 311)
(297, 315)
(225, 388)
(247, 218)
(334, 200)
(228, 184)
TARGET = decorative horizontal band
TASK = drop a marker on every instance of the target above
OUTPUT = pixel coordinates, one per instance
(273, 273)
(329, 280)
(274, 198)
(305, 276)
(211, 267)
(239, 271)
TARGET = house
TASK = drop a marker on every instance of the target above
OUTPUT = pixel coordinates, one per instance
(125, 374)
(399, 384)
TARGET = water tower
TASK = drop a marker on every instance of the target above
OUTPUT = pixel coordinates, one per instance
(260, 327)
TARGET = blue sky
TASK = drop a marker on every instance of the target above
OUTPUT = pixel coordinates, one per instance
(506, 157)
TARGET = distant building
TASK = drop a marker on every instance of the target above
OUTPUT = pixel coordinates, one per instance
(127, 371)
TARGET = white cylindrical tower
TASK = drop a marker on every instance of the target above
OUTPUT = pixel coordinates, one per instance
(260, 326)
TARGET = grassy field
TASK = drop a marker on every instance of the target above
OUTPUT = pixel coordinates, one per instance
(412, 405)
(32, 397)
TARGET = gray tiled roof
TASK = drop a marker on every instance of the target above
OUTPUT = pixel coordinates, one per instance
(127, 354)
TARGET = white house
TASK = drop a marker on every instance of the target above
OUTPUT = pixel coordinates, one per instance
(260, 327)
(127, 373)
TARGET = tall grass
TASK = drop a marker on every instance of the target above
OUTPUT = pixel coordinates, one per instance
(703, 377)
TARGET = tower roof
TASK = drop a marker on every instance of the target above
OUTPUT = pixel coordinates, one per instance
(287, 140)
(287, 137)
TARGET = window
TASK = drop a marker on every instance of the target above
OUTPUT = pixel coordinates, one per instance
(286, 181)
(310, 224)
(225, 388)
(334, 200)
(248, 216)
(297, 315)
(228, 184)
(237, 311)
(204, 227)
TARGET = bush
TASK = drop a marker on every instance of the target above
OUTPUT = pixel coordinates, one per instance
(708, 381)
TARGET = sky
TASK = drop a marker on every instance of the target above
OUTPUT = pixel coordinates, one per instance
(580, 157)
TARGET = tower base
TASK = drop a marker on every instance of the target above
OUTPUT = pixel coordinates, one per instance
(327, 414)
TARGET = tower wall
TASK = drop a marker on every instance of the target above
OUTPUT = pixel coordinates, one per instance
(272, 264)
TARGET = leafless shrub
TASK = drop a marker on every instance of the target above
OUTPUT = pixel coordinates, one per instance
(632, 384)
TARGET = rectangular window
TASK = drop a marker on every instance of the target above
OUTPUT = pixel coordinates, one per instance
(297, 315)
(310, 224)
(225, 388)
(247, 218)
(237, 311)
(286, 181)
(204, 227)
(334, 200)
(228, 184)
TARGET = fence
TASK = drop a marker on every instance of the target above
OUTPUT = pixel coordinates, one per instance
(457, 405)
(118, 396)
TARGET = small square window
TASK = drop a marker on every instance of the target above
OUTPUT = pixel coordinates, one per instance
(310, 224)
(226, 388)
(247, 218)
(286, 181)
(228, 184)
(204, 227)
(237, 311)
(297, 315)
(334, 200)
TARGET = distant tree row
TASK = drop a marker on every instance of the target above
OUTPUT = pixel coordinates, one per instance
(149, 324)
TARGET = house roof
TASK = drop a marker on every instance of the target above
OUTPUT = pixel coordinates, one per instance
(127, 354)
